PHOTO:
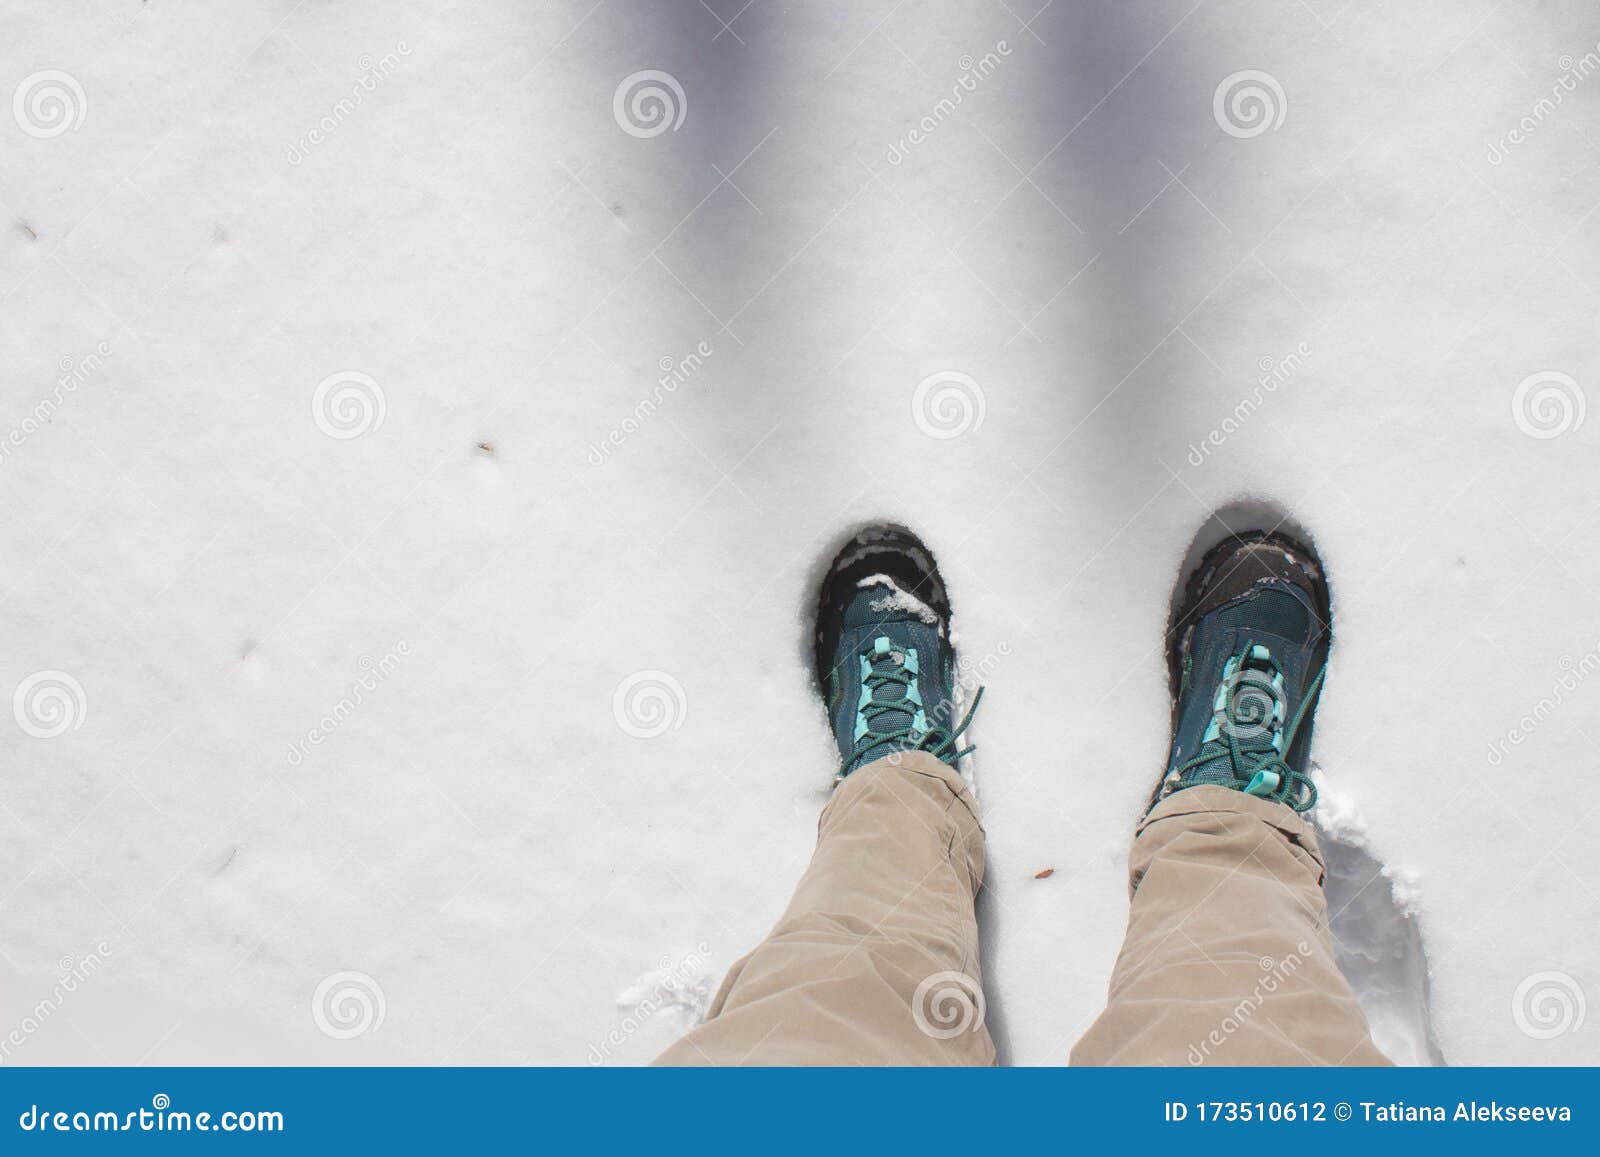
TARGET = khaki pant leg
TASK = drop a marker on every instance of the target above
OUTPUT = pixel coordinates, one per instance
(1228, 958)
(875, 962)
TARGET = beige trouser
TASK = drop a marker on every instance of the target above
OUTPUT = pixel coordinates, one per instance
(1227, 958)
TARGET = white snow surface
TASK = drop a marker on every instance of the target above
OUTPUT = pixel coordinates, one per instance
(495, 720)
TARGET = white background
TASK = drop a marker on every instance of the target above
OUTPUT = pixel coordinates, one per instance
(480, 237)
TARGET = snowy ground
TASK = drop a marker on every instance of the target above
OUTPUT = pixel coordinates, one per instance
(358, 677)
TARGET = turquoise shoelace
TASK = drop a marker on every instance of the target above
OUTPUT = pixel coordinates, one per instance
(940, 742)
(1259, 761)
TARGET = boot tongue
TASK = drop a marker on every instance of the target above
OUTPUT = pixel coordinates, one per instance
(1254, 713)
(879, 603)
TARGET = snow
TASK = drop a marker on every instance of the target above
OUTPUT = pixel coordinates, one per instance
(898, 600)
(371, 394)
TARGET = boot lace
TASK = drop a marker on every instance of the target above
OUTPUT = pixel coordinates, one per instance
(1247, 728)
(890, 694)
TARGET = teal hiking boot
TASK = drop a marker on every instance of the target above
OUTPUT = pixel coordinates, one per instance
(883, 655)
(1247, 655)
